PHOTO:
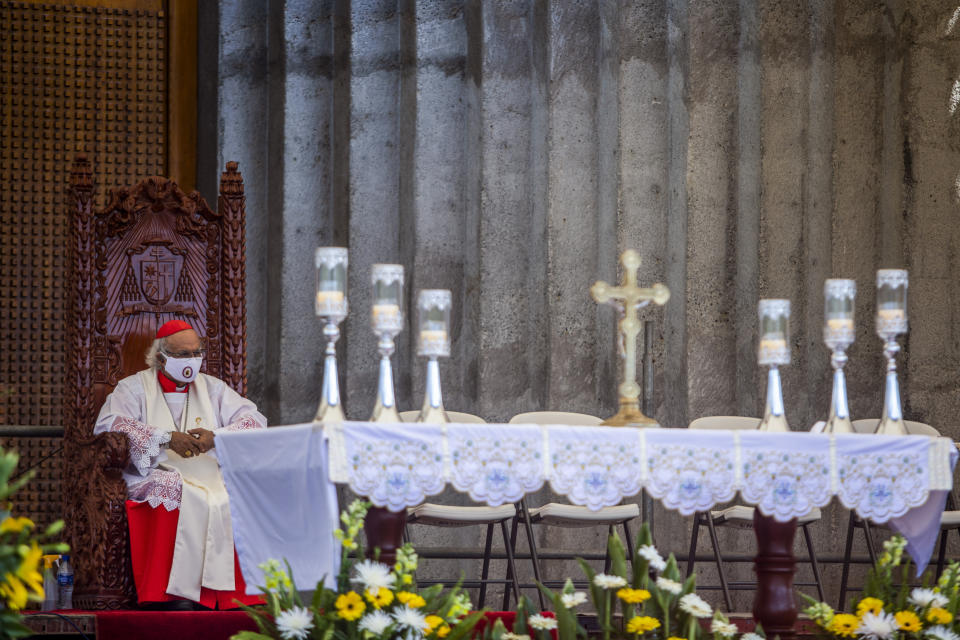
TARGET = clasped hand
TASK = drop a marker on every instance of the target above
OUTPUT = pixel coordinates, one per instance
(192, 443)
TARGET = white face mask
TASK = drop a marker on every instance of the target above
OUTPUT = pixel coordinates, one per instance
(182, 369)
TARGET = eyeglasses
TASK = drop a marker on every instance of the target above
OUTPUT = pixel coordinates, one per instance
(199, 353)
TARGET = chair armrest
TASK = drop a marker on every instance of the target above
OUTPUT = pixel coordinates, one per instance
(108, 451)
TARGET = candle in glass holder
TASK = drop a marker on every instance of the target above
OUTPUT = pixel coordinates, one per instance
(891, 314)
(386, 314)
(331, 265)
(774, 332)
(433, 317)
(840, 324)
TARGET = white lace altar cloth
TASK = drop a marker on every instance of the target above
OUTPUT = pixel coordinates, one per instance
(784, 474)
(902, 481)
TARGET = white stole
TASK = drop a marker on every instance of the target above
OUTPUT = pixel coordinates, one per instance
(203, 551)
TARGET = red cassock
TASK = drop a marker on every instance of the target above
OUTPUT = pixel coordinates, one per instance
(153, 531)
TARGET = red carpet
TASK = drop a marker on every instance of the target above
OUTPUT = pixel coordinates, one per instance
(163, 625)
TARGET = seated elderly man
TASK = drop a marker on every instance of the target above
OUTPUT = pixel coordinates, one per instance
(169, 413)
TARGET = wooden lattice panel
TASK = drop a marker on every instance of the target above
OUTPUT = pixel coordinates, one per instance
(40, 499)
(72, 79)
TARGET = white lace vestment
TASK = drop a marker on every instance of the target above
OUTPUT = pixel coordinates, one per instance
(125, 411)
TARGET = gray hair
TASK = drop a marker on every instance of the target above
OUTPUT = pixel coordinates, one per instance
(158, 345)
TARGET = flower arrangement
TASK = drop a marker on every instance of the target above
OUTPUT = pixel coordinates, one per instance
(889, 612)
(372, 600)
(655, 602)
(21, 580)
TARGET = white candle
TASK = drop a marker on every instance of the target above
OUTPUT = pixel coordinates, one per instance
(433, 336)
(840, 324)
(891, 314)
(386, 314)
(773, 344)
(329, 301)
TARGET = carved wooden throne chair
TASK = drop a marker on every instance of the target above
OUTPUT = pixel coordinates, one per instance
(151, 255)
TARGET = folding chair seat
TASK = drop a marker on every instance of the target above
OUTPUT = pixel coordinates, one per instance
(949, 519)
(441, 515)
(741, 516)
(567, 515)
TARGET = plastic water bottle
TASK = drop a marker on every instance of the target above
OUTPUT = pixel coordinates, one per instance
(65, 582)
(51, 588)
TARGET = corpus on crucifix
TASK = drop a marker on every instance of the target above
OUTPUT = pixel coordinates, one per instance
(627, 298)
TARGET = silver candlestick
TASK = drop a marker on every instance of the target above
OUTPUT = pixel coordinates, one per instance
(838, 335)
(891, 322)
(433, 341)
(331, 305)
(386, 318)
(773, 351)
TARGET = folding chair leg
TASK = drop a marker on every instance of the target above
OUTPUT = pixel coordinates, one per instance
(716, 554)
(606, 553)
(871, 550)
(511, 563)
(525, 513)
(813, 563)
(486, 565)
(626, 533)
(691, 557)
(846, 563)
(511, 570)
(942, 555)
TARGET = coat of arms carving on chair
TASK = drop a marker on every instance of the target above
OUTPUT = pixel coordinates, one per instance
(151, 255)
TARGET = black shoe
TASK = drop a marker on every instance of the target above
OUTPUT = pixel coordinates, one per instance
(172, 605)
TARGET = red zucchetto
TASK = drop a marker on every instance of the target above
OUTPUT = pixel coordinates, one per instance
(172, 327)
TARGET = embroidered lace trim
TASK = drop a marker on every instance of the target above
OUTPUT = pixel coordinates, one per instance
(243, 424)
(145, 442)
(160, 487)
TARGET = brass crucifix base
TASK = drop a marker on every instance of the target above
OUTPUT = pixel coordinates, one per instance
(629, 415)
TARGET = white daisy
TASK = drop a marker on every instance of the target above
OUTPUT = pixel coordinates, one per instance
(695, 606)
(604, 581)
(411, 619)
(373, 576)
(877, 627)
(725, 629)
(941, 633)
(670, 586)
(927, 598)
(570, 600)
(294, 623)
(752, 636)
(542, 623)
(651, 555)
(376, 622)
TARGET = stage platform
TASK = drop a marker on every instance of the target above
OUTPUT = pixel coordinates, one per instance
(209, 625)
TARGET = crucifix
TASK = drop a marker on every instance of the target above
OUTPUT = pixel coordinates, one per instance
(627, 298)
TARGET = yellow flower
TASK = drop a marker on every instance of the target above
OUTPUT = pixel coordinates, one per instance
(380, 598)
(939, 615)
(907, 620)
(844, 624)
(871, 605)
(675, 638)
(410, 599)
(433, 622)
(443, 630)
(407, 578)
(633, 596)
(350, 606)
(28, 571)
(642, 624)
(13, 592)
(16, 525)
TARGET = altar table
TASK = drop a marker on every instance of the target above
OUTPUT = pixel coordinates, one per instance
(902, 481)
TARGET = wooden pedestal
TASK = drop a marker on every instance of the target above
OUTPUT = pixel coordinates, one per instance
(384, 530)
(774, 605)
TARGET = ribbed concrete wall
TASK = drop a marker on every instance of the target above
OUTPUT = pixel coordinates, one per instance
(510, 150)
